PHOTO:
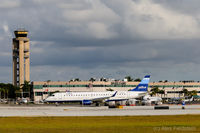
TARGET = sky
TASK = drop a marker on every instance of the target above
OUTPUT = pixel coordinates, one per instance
(104, 38)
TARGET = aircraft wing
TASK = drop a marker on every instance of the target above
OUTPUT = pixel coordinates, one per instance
(102, 98)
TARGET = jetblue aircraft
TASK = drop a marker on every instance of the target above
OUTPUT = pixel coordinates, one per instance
(87, 98)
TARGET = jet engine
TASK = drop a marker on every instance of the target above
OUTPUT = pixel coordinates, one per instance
(87, 102)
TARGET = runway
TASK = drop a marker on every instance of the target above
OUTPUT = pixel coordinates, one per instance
(94, 111)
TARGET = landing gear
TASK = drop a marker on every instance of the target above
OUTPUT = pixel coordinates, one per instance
(111, 104)
(57, 104)
(97, 104)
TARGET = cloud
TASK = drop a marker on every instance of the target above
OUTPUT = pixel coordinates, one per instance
(87, 38)
(149, 20)
(105, 21)
(90, 19)
(5, 28)
(9, 4)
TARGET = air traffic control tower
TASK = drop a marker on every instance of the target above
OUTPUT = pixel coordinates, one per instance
(21, 58)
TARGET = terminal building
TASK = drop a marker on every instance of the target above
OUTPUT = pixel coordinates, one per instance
(171, 89)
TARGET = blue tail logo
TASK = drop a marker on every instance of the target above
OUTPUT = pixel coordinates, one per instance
(143, 85)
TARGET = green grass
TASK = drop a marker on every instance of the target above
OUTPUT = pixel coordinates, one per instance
(112, 124)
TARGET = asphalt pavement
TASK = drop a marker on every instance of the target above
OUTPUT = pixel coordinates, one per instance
(95, 111)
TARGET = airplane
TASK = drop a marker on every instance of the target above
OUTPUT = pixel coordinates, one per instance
(188, 99)
(178, 100)
(147, 99)
(87, 98)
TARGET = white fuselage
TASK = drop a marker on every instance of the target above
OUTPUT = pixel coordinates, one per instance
(80, 96)
(153, 99)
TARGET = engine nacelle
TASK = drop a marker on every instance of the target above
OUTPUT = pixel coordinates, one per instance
(87, 102)
(111, 104)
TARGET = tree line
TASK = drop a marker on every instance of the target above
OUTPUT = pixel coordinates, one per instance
(9, 91)
(155, 90)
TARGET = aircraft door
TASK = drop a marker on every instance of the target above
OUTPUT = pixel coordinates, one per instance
(128, 94)
(60, 96)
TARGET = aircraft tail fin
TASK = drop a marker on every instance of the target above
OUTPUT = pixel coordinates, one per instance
(143, 85)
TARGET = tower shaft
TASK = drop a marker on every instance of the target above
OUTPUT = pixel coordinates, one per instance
(21, 58)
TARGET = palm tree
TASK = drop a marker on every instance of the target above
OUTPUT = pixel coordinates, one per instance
(26, 88)
(0, 92)
(137, 80)
(77, 79)
(92, 79)
(154, 91)
(193, 93)
(109, 89)
(128, 78)
(7, 92)
(185, 92)
(4, 93)
(161, 92)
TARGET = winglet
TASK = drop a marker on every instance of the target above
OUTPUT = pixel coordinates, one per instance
(114, 94)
